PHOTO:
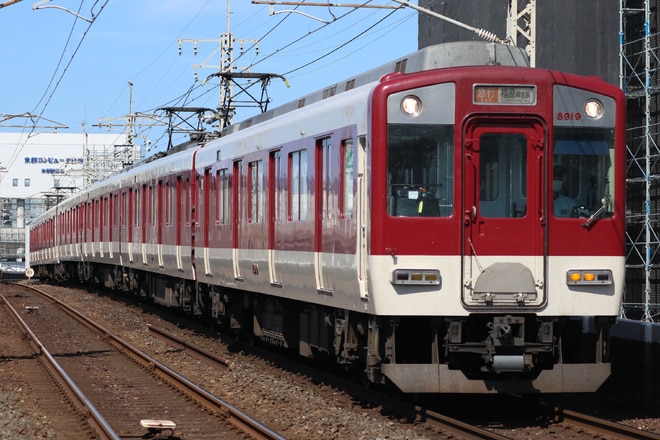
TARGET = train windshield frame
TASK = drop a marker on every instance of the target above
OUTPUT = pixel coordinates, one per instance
(420, 170)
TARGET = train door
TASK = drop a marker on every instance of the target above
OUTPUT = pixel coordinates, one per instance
(160, 218)
(132, 208)
(237, 191)
(143, 221)
(179, 220)
(503, 213)
(103, 223)
(205, 215)
(274, 213)
(323, 210)
(112, 223)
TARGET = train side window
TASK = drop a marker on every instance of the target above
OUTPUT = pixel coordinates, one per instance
(136, 207)
(170, 197)
(325, 172)
(115, 207)
(152, 205)
(255, 193)
(222, 197)
(274, 187)
(160, 201)
(129, 213)
(420, 170)
(187, 188)
(298, 185)
(346, 196)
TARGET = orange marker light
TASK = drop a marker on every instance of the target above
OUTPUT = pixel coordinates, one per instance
(575, 276)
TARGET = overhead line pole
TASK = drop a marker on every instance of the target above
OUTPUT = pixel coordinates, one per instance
(9, 3)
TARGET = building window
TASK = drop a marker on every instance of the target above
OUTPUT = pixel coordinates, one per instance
(27, 182)
(14, 182)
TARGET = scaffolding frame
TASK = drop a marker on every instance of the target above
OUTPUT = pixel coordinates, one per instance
(638, 76)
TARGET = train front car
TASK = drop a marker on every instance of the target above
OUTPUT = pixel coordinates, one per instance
(497, 229)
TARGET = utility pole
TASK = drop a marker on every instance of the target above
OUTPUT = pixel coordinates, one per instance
(127, 153)
(231, 75)
(521, 26)
(8, 3)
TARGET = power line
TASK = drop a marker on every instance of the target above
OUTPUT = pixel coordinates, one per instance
(59, 80)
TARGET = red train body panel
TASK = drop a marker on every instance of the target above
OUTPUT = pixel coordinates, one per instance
(450, 222)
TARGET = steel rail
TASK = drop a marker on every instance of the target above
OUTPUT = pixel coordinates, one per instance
(197, 352)
(94, 418)
(202, 396)
(603, 426)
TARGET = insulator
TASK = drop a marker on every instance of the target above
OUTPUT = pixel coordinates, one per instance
(487, 35)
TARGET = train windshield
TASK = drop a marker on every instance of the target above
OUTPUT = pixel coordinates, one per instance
(420, 170)
(583, 172)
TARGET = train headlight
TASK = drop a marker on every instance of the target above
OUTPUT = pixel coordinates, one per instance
(411, 106)
(416, 276)
(594, 109)
(589, 277)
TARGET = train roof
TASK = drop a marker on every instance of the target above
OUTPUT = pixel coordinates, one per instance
(454, 54)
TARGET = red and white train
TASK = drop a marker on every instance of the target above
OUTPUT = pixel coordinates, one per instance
(450, 222)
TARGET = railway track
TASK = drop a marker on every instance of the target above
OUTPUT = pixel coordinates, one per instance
(57, 407)
(553, 418)
(604, 428)
(441, 423)
(576, 424)
(130, 394)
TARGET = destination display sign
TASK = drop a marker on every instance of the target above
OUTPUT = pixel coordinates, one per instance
(505, 95)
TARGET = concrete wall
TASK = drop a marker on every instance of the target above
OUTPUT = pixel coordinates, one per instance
(574, 36)
(635, 349)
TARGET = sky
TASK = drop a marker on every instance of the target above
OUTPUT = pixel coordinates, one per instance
(76, 74)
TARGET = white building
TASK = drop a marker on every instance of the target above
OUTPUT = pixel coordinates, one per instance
(40, 169)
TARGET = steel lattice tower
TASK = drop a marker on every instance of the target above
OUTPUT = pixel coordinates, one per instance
(639, 62)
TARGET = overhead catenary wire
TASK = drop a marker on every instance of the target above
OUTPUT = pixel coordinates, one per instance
(308, 35)
(57, 82)
(185, 97)
(194, 94)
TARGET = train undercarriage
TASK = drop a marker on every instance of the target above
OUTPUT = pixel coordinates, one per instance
(483, 353)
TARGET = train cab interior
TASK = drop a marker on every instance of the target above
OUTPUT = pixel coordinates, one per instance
(420, 170)
(583, 173)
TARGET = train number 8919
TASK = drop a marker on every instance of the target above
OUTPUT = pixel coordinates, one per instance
(568, 116)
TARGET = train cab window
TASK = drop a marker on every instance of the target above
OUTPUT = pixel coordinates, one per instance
(583, 172)
(503, 175)
(420, 170)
